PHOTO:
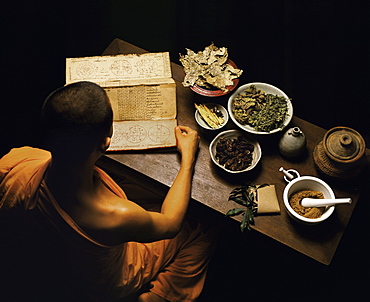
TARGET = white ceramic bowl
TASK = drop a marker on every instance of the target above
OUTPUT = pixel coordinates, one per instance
(307, 183)
(256, 155)
(268, 89)
(219, 107)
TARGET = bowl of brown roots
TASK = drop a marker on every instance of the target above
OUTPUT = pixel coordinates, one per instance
(235, 151)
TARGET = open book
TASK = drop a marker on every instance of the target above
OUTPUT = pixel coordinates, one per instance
(142, 92)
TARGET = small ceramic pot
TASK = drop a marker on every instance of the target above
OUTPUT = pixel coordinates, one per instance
(292, 143)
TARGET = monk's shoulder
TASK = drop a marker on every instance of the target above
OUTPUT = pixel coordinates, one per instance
(112, 219)
(110, 211)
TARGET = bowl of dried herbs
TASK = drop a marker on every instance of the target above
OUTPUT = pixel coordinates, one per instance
(260, 108)
(210, 72)
(235, 151)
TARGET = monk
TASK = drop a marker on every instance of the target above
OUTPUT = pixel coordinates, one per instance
(110, 246)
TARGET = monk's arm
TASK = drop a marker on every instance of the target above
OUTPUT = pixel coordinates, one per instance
(177, 200)
(150, 226)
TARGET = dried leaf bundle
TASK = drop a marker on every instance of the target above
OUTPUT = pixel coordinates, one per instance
(209, 68)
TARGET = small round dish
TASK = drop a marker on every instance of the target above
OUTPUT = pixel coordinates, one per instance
(268, 89)
(233, 134)
(218, 107)
(216, 92)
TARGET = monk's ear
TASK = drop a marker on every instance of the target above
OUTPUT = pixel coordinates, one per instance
(105, 144)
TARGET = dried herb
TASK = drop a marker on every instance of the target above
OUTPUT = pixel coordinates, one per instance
(263, 112)
(245, 195)
(212, 116)
(234, 154)
(209, 68)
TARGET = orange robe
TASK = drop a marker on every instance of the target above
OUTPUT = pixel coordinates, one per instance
(175, 269)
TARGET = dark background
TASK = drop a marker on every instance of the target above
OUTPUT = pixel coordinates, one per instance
(315, 51)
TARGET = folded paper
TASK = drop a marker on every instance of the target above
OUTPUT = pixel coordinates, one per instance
(267, 200)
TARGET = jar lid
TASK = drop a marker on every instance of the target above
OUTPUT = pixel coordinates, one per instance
(344, 144)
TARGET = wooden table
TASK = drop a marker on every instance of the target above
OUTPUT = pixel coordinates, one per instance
(211, 186)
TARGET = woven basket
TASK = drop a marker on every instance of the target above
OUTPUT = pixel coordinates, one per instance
(348, 161)
(331, 168)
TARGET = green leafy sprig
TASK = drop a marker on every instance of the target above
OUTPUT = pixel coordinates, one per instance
(245, 195)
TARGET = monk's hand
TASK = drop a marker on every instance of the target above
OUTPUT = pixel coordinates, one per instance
(187, 140)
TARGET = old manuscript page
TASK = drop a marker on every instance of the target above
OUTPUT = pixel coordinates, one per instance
(142, 93)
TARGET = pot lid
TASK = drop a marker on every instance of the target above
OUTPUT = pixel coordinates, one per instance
(344, 144)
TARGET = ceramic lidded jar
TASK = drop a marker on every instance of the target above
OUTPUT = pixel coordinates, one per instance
(292, 143)
(341, 153)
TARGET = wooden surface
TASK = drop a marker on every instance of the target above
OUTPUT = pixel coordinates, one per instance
(212, 186)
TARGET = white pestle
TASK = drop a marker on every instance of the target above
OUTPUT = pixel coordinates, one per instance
(317, 202)
(286, 173)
